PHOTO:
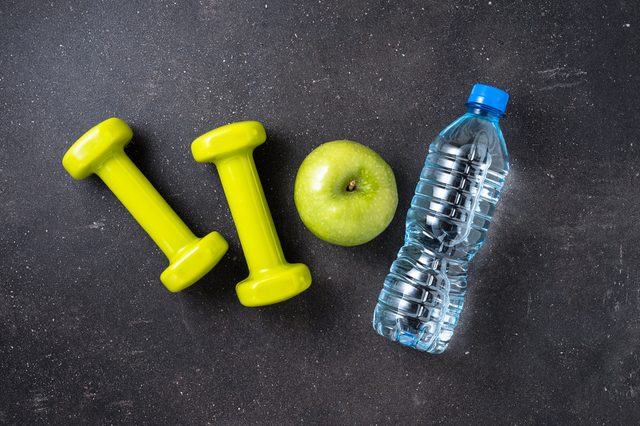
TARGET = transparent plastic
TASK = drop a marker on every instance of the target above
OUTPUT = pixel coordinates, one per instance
(460, 184)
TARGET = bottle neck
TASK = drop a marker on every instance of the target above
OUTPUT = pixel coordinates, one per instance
(484, 111)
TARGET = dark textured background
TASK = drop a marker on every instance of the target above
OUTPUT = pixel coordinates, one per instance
(88, 334)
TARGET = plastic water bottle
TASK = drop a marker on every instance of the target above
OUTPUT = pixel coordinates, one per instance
(447, 223)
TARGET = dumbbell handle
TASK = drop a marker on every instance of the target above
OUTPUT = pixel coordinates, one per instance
(146, 205)
(250, 211)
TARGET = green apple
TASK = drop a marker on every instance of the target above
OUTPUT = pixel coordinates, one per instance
(345, 193)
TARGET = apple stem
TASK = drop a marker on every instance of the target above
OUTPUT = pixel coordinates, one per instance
(352, 186)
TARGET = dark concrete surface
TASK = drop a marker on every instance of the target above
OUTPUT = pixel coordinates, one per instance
(88, 335)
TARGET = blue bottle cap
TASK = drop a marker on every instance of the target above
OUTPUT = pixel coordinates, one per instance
(489, 96)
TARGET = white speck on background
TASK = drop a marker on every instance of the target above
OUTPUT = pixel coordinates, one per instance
(97, 225)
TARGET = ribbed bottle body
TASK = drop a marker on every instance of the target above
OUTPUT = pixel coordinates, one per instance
(447, 223)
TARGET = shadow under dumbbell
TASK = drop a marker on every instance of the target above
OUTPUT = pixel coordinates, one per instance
(218, 286)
